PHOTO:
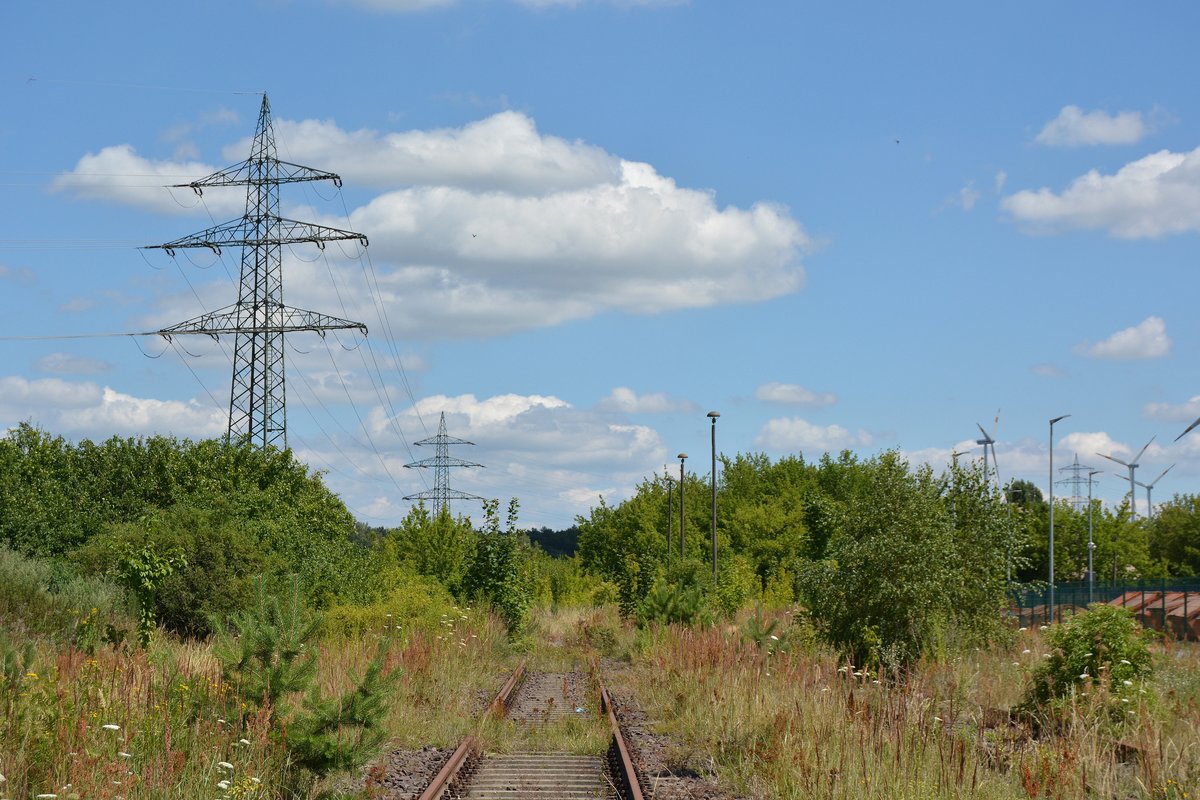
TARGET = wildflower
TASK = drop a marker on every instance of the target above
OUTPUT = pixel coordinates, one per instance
(47, 796)
(220, 722)
(875, 682)
(1084, 676)
(774, 637)
(1125, 661)
(33, 676)
(224, 765)
(1043, 627)
(1045, 655)
(1124, 699)
(1022, 630)
(255, 781)
(244, 742)
(1026, 651)
(110, 726)
(222, 784)
(1127, 683)
(1016, 664)
(123, 754)
(937, 719)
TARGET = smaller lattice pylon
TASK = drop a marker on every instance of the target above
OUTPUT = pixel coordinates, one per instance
(1076, 481)
(441, 494)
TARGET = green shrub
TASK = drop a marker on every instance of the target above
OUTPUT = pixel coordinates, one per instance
(411, 602)
(669, 603)
(1103, 649)
(38, 596)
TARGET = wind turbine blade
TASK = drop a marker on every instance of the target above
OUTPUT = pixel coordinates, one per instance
(986, 438)
(1189, 429)
(1143, 450)
(995, 424)
(1160, 477)
(1110, 458)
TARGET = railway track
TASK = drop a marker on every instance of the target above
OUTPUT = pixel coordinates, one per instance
(534, 700)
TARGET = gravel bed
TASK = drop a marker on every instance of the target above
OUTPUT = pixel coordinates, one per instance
(666, 768)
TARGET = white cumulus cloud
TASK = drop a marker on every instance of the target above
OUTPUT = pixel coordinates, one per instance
(793, 394)
(794, 433)
(1074, 127)
(1174, 412)
(1155, 196)
(495, 227)
(1147, 339)
(626, 400)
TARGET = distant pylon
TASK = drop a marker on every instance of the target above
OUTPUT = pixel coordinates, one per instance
(441, 494)
(259, 319)
(1077, 481)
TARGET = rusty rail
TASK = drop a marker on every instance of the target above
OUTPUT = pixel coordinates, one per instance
(470, 745)
(626, 775)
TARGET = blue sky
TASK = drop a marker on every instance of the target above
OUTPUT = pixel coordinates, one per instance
(861, 226)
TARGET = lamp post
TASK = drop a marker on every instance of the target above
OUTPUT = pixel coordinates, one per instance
(713, 416)
(670, 512)
(682, 457)
(1091, 544)
(1052, 609)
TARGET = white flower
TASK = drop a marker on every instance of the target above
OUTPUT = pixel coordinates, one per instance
(1026, 651)
(1022, 630)
(1045, 655)
(224, 765)
(1016, 664)
(774, 637)
(111, 727)
(1124, 699)
(123, 754)
(47, 796)
(1043, 627)
(937, 719)
(1125, 661)
(875, 682)
(255, 781)
(244, 742)
(1127, 683)
(222, 784)
(1084, 676)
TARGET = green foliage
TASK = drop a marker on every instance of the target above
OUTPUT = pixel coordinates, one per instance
(898, 571)
(142, 571)
(1175, 535)
(1103, 648)
(411, 602)
(496, 575)
(343, 733)
(44, 598)
(439, 546)
(268, 657)
(669, 604)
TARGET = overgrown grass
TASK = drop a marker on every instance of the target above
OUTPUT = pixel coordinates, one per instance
(802, 724)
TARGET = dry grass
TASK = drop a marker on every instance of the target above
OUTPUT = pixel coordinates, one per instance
(803, 725)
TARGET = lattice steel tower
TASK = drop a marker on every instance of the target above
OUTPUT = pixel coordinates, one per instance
(441, 494)
(1077, 481)
(259, 319)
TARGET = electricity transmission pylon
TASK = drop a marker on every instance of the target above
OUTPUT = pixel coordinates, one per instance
(441, 494)
(1076, 482)
(259, 319)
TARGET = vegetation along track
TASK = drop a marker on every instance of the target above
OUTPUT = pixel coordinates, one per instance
(536, 708)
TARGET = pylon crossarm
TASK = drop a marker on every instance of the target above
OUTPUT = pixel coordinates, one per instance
(243, 232)
(448, 461)
(448, 494)
(249, 173)
(278, 319)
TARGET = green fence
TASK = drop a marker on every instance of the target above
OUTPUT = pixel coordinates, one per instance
(1031, 602)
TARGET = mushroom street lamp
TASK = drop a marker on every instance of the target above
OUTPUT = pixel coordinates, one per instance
(713, 415)
(1052, 609)
(682, 457)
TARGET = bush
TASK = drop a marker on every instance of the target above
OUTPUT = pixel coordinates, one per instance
(47, 598)
(1103, 648)
(412, 602)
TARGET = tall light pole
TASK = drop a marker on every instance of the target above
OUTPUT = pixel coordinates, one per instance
(682, 457)
(1053, 608)
(1091, 544)
(670, 512)
(713, 416)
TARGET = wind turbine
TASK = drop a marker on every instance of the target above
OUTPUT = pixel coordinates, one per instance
(987, 441)
(1131, 465)
(1189, 429)
(1149, 487)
